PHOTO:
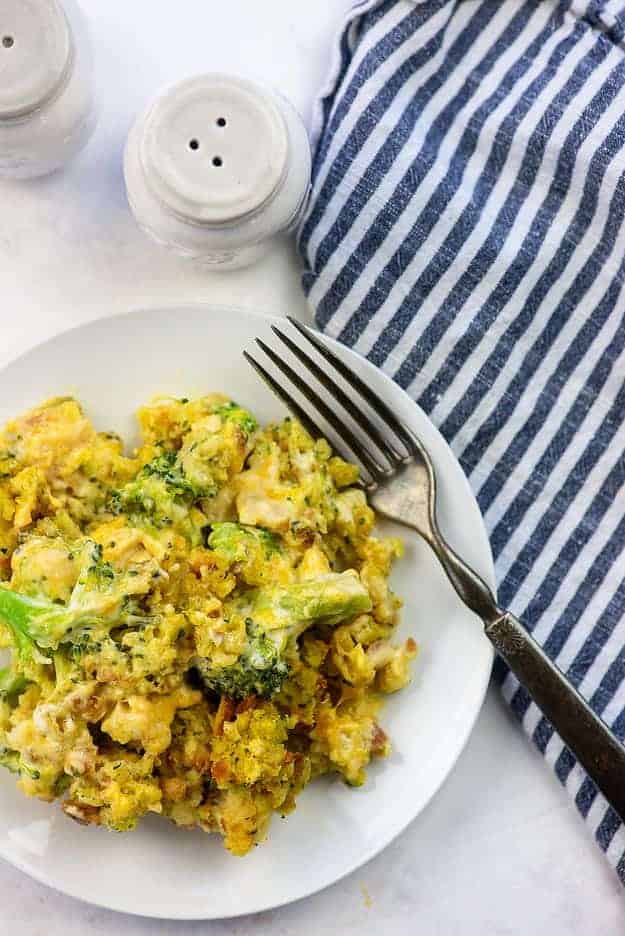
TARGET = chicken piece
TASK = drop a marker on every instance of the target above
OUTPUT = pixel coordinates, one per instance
(145, 721)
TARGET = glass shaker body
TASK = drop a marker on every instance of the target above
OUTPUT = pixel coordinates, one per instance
(216, 167)
(47, 100)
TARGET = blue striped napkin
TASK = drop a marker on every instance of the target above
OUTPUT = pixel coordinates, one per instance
(466, 234)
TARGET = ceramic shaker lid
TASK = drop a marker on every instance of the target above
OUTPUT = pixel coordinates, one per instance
(35, 54)
(214, 149)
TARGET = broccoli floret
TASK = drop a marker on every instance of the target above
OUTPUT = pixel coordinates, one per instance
(166, 468)
(98, 600)
(273, 617)
(161, 495)
(10, 760)
(41, 625)
(232, 412)
(97, 574)
(12, 684)
(14, 763)
(260, 670)
(103, 592)
(159, 484)
(236, 542)
(331, 598)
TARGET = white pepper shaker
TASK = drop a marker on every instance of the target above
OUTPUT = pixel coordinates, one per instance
(216, 167)
(47, 109)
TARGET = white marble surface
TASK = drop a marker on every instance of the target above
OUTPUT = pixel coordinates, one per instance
(500, 851)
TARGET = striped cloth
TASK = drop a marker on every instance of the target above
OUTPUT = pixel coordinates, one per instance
(466, 234)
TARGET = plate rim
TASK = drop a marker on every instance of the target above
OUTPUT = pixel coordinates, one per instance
(211, 311)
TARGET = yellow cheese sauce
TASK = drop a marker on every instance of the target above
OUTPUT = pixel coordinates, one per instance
(198, 630)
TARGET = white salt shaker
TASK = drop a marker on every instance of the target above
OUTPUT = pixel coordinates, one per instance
(216, 167)
(47, 110)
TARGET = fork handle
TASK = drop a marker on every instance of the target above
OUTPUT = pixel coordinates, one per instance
(587, 735)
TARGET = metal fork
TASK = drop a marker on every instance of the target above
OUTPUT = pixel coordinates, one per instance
(402, 487)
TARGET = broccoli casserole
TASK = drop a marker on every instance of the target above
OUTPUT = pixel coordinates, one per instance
(197, 630)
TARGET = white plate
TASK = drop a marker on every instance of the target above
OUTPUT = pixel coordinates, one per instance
(113, 365)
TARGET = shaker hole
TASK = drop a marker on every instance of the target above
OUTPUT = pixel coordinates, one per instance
(194, 145)
(8, 42)
(218, 161)
(221, 121)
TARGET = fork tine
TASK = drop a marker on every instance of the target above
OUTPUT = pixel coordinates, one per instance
(292, 405)
(378, 405)
(377, 471)
(367, 426)
(288, 400)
